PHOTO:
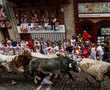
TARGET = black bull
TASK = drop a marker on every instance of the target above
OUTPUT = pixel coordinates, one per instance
(53, 66)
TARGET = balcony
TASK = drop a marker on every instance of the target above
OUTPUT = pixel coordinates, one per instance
(43, 32)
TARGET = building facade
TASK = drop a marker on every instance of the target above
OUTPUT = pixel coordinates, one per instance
(93, 16)
(63, 10)
(75, 15)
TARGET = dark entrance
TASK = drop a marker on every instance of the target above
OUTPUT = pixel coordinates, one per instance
(87, 25)
(5, 33)
(25, 36)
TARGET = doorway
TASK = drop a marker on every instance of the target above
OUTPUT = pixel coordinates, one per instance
(5, 33)
(25, 36)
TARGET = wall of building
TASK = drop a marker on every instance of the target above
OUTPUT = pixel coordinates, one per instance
(69, 19)
(1, 2)
(1, 36)
(11, 34)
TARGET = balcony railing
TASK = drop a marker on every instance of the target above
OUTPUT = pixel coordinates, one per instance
(31, 28)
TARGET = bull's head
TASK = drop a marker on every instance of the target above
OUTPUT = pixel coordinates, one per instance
(74, 66)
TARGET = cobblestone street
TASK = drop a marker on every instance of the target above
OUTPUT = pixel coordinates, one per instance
(64, 83)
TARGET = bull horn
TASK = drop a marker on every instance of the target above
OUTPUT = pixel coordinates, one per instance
(79, 60)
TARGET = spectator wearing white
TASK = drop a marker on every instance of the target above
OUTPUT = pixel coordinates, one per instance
(6, 49)
(9, 41)
(93, 52)
(37, 45)
(56, 49)
(18, 49)
(23, 44)
(73, 41)
(27, 49)
(65, 44)
(46, 23)
(61, 50)
(100, 52)
(48, 50)
(10, 49)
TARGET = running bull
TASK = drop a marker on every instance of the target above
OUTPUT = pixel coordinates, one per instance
(42, 67)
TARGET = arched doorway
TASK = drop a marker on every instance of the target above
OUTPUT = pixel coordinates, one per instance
(88, 26)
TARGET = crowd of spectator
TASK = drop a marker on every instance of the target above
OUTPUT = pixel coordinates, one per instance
(38, 19)
(4, 22)
(78, 47)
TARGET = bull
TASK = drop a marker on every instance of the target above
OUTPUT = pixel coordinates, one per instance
(42, 67)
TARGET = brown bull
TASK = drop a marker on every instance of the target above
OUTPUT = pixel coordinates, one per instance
(20, 62)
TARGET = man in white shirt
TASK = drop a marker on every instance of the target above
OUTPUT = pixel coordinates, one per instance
(93, 52)
(49, 50)
(100, 52)
(23, 44)
(56, 49)
(73, 41)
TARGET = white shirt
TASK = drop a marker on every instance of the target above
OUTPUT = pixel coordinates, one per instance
(1, 45)
(56, 48)
(46, 24)
(23, 44)
(72, 42)
(54, 20)
(9, 41)
(27, 49)
(1, 51)
(93, 51)
(100, 50)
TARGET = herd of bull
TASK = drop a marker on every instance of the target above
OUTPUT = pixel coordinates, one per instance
(41, 67)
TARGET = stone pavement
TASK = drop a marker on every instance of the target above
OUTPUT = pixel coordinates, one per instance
(62, 83)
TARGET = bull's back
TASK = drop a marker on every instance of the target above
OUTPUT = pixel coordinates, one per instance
(46, 64)
(49, 65)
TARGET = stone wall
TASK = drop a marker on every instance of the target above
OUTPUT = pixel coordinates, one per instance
(11, 34)
(1, 2)
(1, 36)
(69, 19)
